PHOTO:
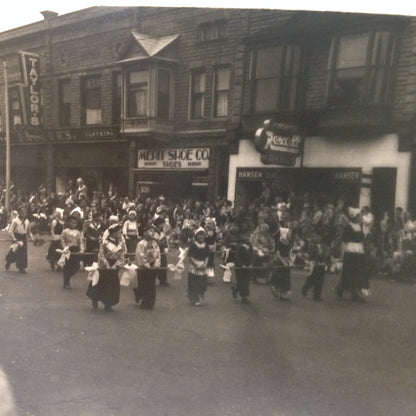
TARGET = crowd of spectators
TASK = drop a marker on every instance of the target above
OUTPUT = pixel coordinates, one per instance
(298, 226)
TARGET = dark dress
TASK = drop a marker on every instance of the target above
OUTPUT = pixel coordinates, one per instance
(197, 279)
(18, 256)
(353, 276)
(110, 256)
(53, 255)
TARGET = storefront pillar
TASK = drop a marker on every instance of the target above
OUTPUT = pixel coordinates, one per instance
(50, 168)
(132, 164)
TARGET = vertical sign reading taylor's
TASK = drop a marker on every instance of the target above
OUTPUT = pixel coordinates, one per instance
(30, 71)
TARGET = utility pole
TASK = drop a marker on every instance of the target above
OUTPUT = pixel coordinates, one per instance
(6, 116)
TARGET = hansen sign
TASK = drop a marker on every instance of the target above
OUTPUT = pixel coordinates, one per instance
(278, 143)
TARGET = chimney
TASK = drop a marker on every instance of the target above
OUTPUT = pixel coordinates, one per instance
(48, 15)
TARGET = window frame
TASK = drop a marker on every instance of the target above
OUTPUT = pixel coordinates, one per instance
(84, 98)
(128, 72)
(197, 96)
(364, 97)
(281, 77)
(216, 92)
(117, 97)
(64, 107)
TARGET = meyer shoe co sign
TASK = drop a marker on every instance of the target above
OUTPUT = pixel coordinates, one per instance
(278, 143)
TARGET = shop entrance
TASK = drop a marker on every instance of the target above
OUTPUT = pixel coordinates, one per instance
(383, 192)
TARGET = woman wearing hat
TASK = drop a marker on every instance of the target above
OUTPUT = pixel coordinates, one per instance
(147, 259)
(111, 256)
(198, 255)
(353, 276)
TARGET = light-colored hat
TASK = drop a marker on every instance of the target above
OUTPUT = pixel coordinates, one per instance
(114, 228)
(113, 218)
(353, 212)
(132, 213)
(200, 230)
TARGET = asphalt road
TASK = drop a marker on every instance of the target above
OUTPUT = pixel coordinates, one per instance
(269, 358)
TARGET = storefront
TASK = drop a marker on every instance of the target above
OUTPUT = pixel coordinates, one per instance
(177, 172)
(362, 171)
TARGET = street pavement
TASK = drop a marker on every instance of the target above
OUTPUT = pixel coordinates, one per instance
(224, 358)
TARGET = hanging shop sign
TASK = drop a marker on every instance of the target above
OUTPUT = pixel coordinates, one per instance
(30, 68)
(175, 158)
(278, 143)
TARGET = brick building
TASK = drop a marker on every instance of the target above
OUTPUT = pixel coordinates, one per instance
(176, 101)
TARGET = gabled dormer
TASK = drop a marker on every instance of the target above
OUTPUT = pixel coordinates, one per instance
(148, 82)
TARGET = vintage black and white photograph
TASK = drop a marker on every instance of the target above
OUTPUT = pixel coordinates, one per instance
(207, 209)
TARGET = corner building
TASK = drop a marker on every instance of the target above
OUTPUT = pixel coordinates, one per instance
(213, 102)
(328, 108)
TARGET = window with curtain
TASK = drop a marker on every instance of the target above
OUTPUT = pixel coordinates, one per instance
(64, 97)
(137, 94)
(360, 67)
(275, 77)
(91, 93)
(197, 94)
(221, 91)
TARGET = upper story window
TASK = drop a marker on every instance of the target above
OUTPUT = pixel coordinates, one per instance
(360, 68)
(212, 30)
(64, 97)
(221, 91)
(15, 105)
(117, 88)
(197, 94)
(163, 93)
(137, 94)
(91, 100)
(275, 77)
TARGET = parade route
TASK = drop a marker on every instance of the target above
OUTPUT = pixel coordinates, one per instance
(223, 358)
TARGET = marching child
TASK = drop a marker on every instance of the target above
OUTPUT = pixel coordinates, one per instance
(71, 240)
(198, 255)
(315, 279)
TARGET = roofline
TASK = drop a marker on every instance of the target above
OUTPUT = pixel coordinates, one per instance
(61, 20)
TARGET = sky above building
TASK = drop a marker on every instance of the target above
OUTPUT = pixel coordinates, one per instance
(17, 13)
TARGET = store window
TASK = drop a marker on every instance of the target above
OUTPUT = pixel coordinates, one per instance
(275, 77)
(15, 105)
(221, 91)
(137, 94)
(197, 94)
(360, 68)
(163, 94)
(64, 97)
(91, 100)
(212, 30)
(117, 86)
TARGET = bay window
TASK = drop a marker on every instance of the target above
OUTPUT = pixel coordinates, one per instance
(360, 68)
(137, 94)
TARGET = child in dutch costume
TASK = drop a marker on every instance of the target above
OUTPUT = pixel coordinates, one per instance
(19, 230)
(198, 255)
(71, 241)
(147, 259)
(111, 256)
